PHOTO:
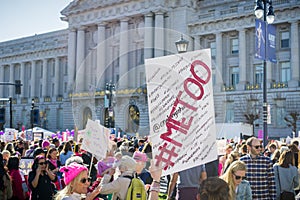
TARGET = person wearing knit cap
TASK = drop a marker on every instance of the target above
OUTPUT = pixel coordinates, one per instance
(45, 145)
(144, 174)
(119, 186)
(77, 183)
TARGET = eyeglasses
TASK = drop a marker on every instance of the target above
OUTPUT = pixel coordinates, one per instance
(84, 180)
(257, 146)
(239, 177)
(42, 163)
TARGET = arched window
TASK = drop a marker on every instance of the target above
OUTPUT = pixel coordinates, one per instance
(87, 114)
(133, 119)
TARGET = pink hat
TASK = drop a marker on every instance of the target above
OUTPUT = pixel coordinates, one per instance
(71, 171)
(139, 156)
(45, 143)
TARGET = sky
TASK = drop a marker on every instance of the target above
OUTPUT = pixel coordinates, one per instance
(22, 18)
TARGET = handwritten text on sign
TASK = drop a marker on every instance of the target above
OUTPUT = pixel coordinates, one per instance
(181, 110)
(96, 139)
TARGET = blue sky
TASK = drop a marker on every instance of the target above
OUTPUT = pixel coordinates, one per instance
(22, 18)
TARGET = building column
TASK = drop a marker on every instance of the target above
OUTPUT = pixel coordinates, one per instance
(44, 79)
(219, 62)
(159, 34)
(101, 54)
(123, 54)
(148, 36)
(71, 58)
(1, 80)
(196, 41)
(57, 77)
(33, 74)
(22, 78)
(11, 79)
(80, 69)
(294, 54)
(242, 60)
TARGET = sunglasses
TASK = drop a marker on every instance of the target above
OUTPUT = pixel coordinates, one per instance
(84, 180)
(42, 163)
(239, 177)
(257, 146)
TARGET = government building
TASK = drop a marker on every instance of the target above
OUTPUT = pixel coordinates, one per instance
(95, 68)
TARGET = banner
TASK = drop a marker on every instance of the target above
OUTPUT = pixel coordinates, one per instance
(271, 42)
(181, 110)
(96, 139)
(260, 40)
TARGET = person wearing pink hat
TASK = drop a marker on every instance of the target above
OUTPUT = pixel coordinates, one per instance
(77, 183)
(142, 172)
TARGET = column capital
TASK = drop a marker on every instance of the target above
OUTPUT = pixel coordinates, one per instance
(125, 19)
(102, 24)
(72, 29)
(160, 12)
(81, 28)
(148, 14)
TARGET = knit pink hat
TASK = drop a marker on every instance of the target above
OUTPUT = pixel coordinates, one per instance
(140, 156)
(45, 143)
(71, 171)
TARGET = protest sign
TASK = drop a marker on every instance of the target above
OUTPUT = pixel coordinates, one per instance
(26, 165)
(96, 139)
(10, 134)
(221, 146)
(181, 110)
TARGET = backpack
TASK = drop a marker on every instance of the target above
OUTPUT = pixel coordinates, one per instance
(136, 189)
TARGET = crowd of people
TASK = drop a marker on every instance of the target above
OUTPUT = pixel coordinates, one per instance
(64, 171)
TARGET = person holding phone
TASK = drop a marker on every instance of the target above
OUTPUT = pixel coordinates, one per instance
(40, 180)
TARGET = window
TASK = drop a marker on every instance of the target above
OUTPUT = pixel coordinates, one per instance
(284, 39)
(234, 44)
(259, 74)
(279, 113)
(213, 49)
(285, 71)
(229, 115)
(59, 119)
(235, 76)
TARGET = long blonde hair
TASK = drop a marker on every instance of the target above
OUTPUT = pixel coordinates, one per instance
(68, 190)
(228, 176)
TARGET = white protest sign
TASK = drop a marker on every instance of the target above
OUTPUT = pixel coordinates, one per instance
(10, 134)
(221, 146)
(96, 139)
(181, 110)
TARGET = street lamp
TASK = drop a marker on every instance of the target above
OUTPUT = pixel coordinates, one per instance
(260, 11)
(182, 45)
(31, 116)
(110, 92)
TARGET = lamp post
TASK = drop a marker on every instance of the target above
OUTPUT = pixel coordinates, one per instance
(260, 10)
(31, 115)
(182, 45)
(110, 92)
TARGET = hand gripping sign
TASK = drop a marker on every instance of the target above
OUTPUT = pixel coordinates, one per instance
(181, 110)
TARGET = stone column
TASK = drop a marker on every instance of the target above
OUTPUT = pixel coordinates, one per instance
(242, 60)
(123, 54)
(197, 44)
(80, 70)
(148, 35)
(22, 78)
(33, 77)
(57, 77)
(45, 91)
(101, 54)
(1, 80)
(219, 62)
(71, 58)
(294, 54)
(159, 34)
(11, 79)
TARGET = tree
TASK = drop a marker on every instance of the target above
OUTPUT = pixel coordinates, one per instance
(293, 114)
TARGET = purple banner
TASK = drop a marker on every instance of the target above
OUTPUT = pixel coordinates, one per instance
(260, 28)
(271, 41)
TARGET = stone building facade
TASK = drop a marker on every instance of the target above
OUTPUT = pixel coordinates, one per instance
(66, 71)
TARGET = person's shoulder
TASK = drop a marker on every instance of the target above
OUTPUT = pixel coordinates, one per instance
(245, 157)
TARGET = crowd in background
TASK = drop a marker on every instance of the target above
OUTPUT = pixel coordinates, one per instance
(62, 170)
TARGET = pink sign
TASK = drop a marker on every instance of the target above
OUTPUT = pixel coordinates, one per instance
(260, 134)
